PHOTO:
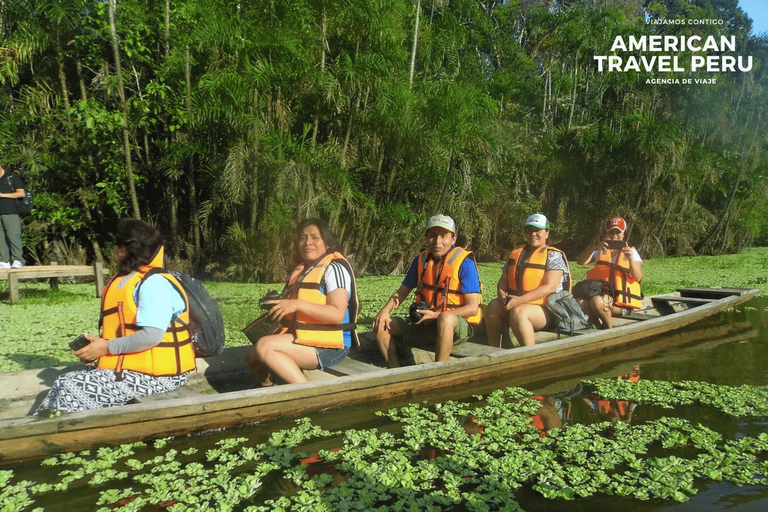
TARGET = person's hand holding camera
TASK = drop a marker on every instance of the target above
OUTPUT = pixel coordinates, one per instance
(512, 301)
(281, 308)
(269, 300)
(97, 348)
(419, 313)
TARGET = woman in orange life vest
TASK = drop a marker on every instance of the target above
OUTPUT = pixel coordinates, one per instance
(620, 272)
(145, 346)
(533, 272)
(318, 313)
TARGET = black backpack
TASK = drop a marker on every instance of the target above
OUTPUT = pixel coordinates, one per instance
(206, 325)
(24, 204)
(567, 313)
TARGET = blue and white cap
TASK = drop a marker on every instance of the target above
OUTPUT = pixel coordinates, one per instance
(537, 220)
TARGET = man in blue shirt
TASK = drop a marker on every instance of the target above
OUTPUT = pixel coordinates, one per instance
(446, 280)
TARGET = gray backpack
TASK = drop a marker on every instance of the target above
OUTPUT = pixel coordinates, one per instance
(567, 313)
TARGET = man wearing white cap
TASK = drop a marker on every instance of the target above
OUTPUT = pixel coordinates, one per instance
(533, 271)
(448, 287)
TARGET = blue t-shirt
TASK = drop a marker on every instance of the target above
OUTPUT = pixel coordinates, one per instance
(158, 302)
(468, 276)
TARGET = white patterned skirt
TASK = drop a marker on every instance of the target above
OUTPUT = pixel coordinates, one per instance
(92, 388)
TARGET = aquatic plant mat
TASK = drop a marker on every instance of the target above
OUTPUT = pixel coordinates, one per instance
(476, 455)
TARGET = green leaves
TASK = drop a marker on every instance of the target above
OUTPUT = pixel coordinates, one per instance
(472, 455)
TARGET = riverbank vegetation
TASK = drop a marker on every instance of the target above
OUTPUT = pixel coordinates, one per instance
(36, 331)
(223, 122)
(480, 455)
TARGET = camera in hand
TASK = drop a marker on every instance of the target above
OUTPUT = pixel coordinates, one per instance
(413, 311)
(271, 295)
(615, 245)
(79, 342)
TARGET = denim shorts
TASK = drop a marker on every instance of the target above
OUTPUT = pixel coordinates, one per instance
(327, 357)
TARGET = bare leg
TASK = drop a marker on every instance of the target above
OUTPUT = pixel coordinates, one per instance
(387, 345)
(525, 320)
(601, 308)
(259, 370)
(446, 326)
(496, 319)
(279, 355)
(587, 308)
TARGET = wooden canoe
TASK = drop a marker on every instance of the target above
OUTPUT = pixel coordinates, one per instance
(221, 393)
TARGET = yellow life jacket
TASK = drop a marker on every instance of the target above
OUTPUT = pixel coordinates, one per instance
(304, 284)
(525, 272)
(174, 355)
(626, 289)
(439, 285)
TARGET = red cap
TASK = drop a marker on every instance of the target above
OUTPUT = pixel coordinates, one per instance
(616, 222)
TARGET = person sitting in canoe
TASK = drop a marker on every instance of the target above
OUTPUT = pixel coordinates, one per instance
(448, 296)
(318, 310)
(533, 271)
(612, 287)
(145, 346)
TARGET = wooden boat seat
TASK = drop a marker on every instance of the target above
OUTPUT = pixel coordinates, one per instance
(717, 292)
(643, 315)
(667, 304)
(470, 349)
(687, 300)
(351, 366)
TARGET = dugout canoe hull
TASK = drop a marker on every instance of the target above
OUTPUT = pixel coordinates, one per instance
(203, 408)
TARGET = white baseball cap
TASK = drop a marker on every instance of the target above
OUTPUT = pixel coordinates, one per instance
(441, 221)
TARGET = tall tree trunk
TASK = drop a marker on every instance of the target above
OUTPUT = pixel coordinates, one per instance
(324, 45)
(415, 44)
(61, 73)
(194, 215)
(111, 6)
(89, 157)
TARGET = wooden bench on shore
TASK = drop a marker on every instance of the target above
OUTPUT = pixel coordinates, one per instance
(54, 273)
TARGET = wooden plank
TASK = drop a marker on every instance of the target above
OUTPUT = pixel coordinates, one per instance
(351, 366)
(639, 315)
(182, 392)
(687, 300)
(98, 274)
(475, 349)
(709, 293)
(50, 271)
(13, 288)
(53, 273)
(54, 281)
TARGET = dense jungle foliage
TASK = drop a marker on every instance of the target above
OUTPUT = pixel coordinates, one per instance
(225, 121)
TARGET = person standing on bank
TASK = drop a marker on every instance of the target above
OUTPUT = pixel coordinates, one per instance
(318, 311)
(11, 249)
(612, 288)
(146, 347)
(533, 271)
(446, 280)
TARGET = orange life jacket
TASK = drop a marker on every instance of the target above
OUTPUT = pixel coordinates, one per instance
(626, 289)
(525, 272)
(304, 284)
(439, 285)
(174, 355)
